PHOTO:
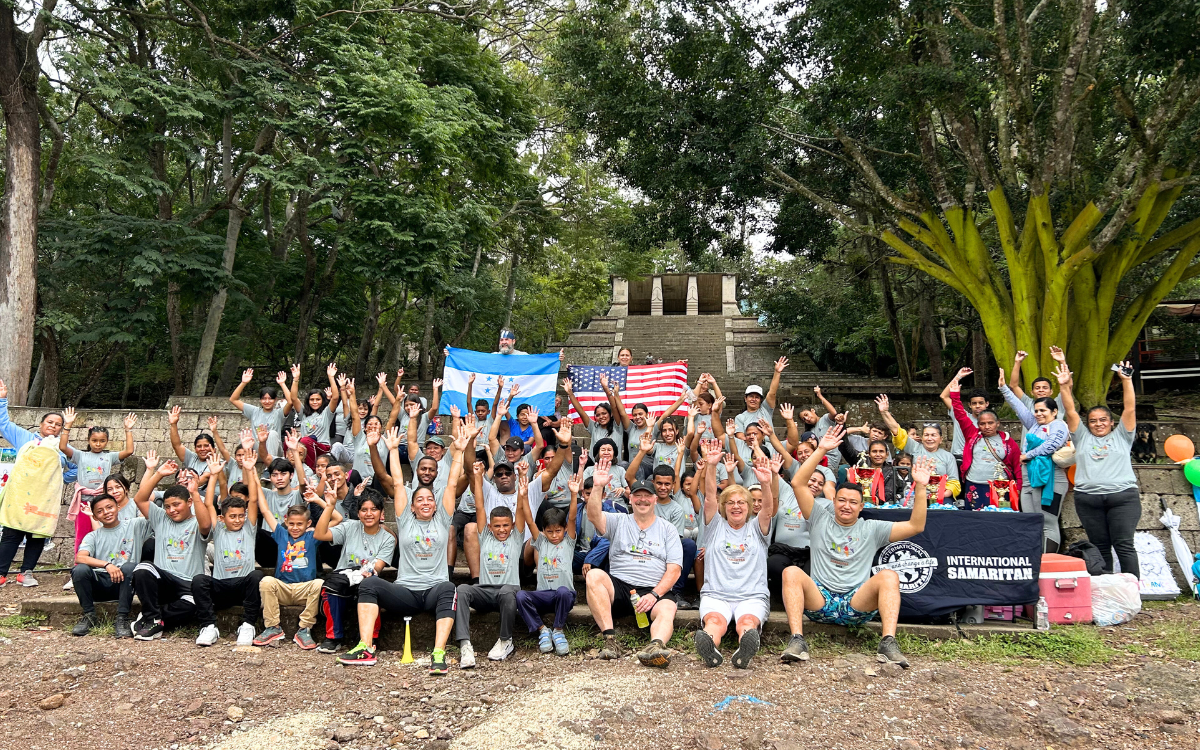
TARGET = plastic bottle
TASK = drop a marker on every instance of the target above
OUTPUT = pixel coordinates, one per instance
(1043, 614)
(642, 620)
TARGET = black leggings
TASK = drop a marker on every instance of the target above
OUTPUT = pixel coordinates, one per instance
(779, 557)
(10, 541)
(1110, 519)
(442, 599)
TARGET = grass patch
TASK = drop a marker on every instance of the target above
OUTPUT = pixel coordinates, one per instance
(22, 622)
(1070, 645)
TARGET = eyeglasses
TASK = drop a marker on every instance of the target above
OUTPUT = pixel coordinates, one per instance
(931, 424)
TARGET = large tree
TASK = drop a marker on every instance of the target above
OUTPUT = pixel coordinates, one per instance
(1038, 160)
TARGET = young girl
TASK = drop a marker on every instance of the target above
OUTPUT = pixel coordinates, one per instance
(316, 416)
(366, 547)
(116, 486)
(94, 464)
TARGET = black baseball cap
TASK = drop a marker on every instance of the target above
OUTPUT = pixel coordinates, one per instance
(642, 486)
(515, 443)
(504, 465)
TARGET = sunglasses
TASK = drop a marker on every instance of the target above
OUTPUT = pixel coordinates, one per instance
(502, 473)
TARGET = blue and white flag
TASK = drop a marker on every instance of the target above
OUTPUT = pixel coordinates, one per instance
(536, 373)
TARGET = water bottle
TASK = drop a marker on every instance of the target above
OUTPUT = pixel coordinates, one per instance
(1043, 614)
(642, 620)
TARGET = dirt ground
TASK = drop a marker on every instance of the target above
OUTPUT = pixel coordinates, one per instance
(1133, 686)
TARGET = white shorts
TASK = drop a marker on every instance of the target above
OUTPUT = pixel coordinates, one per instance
(732, 612)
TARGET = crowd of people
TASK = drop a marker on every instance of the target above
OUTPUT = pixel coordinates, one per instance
(297, 513)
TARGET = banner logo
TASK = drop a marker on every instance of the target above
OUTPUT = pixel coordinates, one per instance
(911, 562)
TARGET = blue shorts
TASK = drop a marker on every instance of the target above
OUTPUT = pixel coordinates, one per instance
(837, 609)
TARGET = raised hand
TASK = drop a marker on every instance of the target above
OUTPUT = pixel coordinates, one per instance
(776, 462)
(730, 464)
(374, 399)
(781, 364)
(478, 468)
(575, 483)
(3, 390)
(455, 413)
(129, 421)
(192, 483)
(499, 382)
(295, 371)
(764, 425)
(522, 468)
(328, 394)
(391, 439)
(832, 438)
(601, 476)
(883, 403)
(523, 484)
(1125, 370)
(168, 468)
(604, 381)
(646, 442)
(1020, 356)
(399, 374)
(412, 408)
(533, 415)
(922, 470)
(712, 452)
(1057, 354)
(1002, 382)
(151, 460)
(381, 378)
(69, 415)
(1063, 374)
(373, 436)
(437, 384)
(718, 403)
(343, 381)
(249, 461)
(787, 411)
(462, 442)
(693, 411)
(762, 469)
(563, 433)
(963, 373)
(215, 464)
(516, 388)
(173, 415)
(248, 375)
(246, 438)
(471, 379)
(212, 425)
(291, 441)
(331, 370)
(566, 386)
(731, 426)
(281, 378)
(263, 432)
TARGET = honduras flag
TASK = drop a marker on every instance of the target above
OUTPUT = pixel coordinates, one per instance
(537, 374)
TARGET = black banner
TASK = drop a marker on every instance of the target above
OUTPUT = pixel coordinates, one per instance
(964, 558)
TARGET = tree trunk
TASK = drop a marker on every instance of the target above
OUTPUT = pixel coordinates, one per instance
(511, 295)
(367, 344)
(39, 379)
(889, 309)
(93, 376)
(175, 331)
(216, 310)
(980, 358)
(426, 355)
(19, 73)
(50, 354)
(929, 337)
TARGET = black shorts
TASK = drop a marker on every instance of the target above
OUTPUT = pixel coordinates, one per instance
(622, 607)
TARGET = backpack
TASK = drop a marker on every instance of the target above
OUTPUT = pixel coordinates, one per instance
(1090, 554)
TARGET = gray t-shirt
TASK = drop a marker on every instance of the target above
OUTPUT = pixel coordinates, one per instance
(790, 527)
(823, 425)
(362, 455)
(233, 551)
(689, 513)
(94, 468)
(611, 490)
(119, 545)
(554, 563)
(272, 419)
(638, 556)
(179, 548)
(672, 514)
(635, 436)
(986, 455)
(735, 565)
(316, 425)
(666, 455)
(751, 417)
(558, 496)
(279, 502)
(1102, 464)
(128, 511)
(359, 547)
(842, 555)
(499, 561)
(422, 549)
(599, 433)
(943, 462)
(1028, 400)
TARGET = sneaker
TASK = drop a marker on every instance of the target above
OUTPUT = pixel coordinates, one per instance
(797, 650)
(27, 580)
(208, 635)
(746, 649)
(611, 649)
(545, 642)
(466, 655)
(85, 624)
(359, 656)
(655, 654)
(245, 634)
(687, 604)
(122, 628)
(268, 636)
(889, 652)
(69, 585)
(707, 649)
(3, 581)
(304, 639)
(437, 661)
(148, 630)
(329, 646)
(502, 650)
(561, 647)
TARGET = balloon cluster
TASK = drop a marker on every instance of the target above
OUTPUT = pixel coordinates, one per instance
(1180, 449)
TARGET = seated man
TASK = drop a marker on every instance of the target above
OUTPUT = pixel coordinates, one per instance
(842, 590)
(645, 560)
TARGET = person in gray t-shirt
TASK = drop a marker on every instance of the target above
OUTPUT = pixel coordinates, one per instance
(842, 589)
(104, 565)
(645, 560)
(735, 572)
(272, 409)
(234, 578)
(499, 555)
(975, 402)
(759, 406)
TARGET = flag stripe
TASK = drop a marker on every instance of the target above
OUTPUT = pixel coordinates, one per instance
(656, 386)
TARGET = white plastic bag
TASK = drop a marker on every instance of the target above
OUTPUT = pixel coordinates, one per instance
(1116, 598)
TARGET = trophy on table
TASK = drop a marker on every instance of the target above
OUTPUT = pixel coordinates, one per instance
(864, 474)
(1001, 489)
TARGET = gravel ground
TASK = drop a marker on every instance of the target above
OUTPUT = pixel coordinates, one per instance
(60, 691)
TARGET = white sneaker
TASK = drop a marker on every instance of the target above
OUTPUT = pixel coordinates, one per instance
(27, 580)
(466, 656)
(208, 635)
(70, 584)
(245, 635)
(501, 650)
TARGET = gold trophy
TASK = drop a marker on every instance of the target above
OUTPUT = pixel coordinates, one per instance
(863, 474)
(1001, 488)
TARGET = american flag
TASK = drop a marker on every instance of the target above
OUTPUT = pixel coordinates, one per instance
(656, 386)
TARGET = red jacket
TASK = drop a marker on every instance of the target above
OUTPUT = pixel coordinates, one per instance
(1012, 452)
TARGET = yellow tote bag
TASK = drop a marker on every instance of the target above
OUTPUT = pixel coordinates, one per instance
(33, 495)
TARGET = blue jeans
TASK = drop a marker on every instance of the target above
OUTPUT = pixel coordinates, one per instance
(689, 559)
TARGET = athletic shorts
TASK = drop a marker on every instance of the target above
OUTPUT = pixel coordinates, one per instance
(837, 609)
(734, 611)
(622, 606)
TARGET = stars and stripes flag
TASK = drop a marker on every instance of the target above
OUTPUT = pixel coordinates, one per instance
(656, 386)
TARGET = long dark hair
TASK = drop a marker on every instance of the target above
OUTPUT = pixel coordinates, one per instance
(308, 410)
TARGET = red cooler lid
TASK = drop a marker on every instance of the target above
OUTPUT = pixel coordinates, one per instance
(1052, 563)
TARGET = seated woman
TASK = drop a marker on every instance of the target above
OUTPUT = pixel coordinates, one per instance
(878, 478)
(1042, 483)
(988, 453)
(422, 579)
(735, 581)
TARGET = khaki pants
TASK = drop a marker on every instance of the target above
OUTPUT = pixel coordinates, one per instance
(275, 593)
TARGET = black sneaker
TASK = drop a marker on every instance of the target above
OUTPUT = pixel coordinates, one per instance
(611, 649)
(686, 604)
(655, 654)
(889, 652)
(85, 624)
(437, 662)
(329, 646)
(797, 650)
(707, 649)
(148, 630)
(746, 649)
(122, 628)
(359, 656)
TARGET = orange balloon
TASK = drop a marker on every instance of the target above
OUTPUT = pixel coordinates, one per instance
(1179, 448)
(1071, 474)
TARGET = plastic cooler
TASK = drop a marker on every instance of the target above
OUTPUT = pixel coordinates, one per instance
(1067, 587)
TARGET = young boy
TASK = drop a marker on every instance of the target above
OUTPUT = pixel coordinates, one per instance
(234, 578)
(500, 542)
(104, 565)
(554, 547)
(181, 528)
(295, 580)
(281, 495)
